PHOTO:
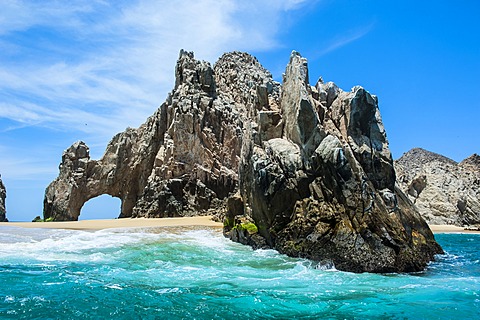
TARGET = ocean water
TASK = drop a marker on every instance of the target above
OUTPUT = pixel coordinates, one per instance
(173, 273)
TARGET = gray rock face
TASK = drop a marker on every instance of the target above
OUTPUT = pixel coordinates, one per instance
(3, 196)
(445, 192)
(299, 168)
(183, 160)
(325, 189)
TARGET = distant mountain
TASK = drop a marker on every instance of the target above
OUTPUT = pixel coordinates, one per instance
(444, 191)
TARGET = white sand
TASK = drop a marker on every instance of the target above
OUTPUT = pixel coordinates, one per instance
(205, 221)
(444, 228)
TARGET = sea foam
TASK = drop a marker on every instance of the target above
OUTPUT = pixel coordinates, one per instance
(197, 273)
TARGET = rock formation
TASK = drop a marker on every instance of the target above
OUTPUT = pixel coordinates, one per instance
(3, 195)
(324, 188)
(183, 160)
(139, 158)
(444, 191)
(302, 169)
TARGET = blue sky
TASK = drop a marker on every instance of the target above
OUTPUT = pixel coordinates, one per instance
(85, 70)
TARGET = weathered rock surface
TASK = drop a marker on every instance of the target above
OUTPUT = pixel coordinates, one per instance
(183, 160)
(3, 196)
(299, 168)
(444, 191)
(325, 188)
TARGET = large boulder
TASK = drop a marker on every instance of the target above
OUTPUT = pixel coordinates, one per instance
(325, 188)
(444, 191)
(3, 196)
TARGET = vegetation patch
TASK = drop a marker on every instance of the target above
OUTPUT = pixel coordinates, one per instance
(249, 226)
(38, 219)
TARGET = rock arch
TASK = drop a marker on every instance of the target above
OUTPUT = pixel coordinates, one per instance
(181, 161)
(122, 172)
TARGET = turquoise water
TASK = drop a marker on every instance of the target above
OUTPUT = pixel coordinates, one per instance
(198, 274)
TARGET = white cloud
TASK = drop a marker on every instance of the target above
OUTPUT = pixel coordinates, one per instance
(293, 4)
(19, 15)
(72, 62)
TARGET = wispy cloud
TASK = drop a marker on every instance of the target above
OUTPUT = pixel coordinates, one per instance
(293, 4)
(345, 39)
(19, 15)
(109, 64)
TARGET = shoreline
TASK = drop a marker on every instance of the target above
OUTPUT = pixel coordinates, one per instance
(447, 228)
(203, 221)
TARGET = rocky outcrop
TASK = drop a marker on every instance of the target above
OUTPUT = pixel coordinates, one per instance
(471, 163)
(3, 196)
(324, 189)
(183, 160)
(299, 168)
(444, 191)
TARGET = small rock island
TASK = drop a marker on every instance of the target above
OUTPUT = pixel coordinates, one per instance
(302, 169)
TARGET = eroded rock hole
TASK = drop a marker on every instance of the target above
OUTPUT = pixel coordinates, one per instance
(101, 207)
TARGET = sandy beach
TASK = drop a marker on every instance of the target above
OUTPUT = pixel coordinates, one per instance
(445, 228)
(165, 222)
(120, 223)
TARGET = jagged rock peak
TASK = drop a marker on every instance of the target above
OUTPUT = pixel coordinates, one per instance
(3, 196)
(242, 79)
(300, 118)
(472, 162)
(194, 74)
(444, 191)
(239, 58)
(297, 65)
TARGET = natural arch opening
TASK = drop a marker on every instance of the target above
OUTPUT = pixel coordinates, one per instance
(101, 207)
